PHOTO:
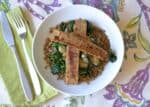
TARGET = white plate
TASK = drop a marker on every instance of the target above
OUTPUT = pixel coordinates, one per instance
(98, 18)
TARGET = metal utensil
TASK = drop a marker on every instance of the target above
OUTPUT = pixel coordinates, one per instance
(21, 30)
(8, 36)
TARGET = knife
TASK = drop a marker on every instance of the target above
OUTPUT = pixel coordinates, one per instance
(8, 36)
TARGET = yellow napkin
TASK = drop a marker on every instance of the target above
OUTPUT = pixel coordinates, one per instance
(9, 73)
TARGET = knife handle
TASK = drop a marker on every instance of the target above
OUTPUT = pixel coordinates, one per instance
(24, 82)
(33, 73)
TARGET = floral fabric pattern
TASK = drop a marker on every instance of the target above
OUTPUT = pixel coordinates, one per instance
(130, 94)
(46, 7)
(131, 88)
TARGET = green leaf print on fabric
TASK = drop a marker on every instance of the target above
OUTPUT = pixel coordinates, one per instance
(4, 5)
(144, 42)
(74, 101)
(129, 40)
(134, 21)
(82, 99)
(140, 59)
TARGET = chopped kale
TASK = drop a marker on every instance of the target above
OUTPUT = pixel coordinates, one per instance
(63, 26)
(112, 56)
(83, 71)
(57, 61)
(70, 26)
(89, 28)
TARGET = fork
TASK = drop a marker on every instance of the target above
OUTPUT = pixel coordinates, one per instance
(21, 30)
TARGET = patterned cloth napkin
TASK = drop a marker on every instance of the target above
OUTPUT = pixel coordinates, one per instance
(8, 69)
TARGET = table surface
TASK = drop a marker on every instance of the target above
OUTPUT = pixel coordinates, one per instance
(131, 87)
